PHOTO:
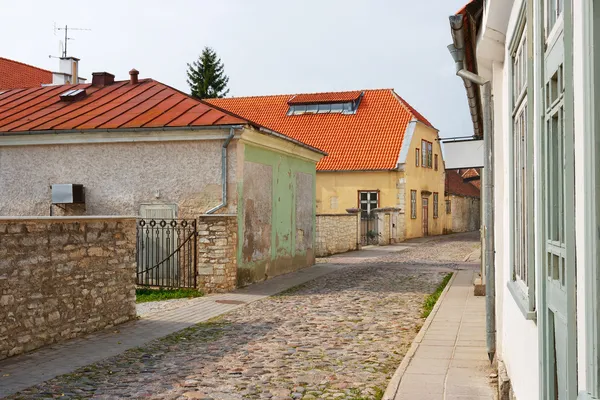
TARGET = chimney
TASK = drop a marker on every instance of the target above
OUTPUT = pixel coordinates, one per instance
(68, 71)
(101, 79)
(133, 76)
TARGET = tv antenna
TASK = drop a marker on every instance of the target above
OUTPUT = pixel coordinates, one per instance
(67, 38)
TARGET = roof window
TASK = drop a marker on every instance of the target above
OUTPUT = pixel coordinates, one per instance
(73, 94)
(348, 107)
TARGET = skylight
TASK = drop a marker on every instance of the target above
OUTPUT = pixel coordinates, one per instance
(73, 94)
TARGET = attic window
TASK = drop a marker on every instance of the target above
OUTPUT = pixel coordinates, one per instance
(325, 103)
(348, 107)
(73, 94)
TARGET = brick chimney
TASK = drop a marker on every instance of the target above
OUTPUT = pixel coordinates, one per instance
(133, 76)
(101, 79)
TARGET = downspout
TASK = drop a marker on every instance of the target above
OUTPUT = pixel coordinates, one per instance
(223, 172)
(457, 51)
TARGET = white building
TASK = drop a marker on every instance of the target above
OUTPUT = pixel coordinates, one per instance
(542, 59)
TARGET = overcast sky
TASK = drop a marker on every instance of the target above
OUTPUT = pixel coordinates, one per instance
(268, 47)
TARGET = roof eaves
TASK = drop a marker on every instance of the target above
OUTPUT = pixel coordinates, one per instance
(112, 130)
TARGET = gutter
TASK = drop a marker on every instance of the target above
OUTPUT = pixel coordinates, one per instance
(458, 54)
(457, 26)
(223, 172)
(111, 130)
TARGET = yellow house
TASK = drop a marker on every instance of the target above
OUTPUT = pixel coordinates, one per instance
(382, 153)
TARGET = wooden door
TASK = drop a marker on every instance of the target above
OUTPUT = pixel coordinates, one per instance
(425, 216)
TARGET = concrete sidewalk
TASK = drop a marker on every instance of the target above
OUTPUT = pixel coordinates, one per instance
(20, 372)
(448, 359)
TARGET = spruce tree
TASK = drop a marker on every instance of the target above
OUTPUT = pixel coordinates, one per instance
(206, 76)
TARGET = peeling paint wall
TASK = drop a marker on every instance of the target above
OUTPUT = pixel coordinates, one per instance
(465, 215)
(118, 177)
(277, 220)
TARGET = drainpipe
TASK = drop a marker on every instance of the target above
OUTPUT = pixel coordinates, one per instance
(488, 176)
(223, 172)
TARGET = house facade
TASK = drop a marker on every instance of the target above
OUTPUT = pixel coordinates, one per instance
(540, 58)
(381, 152)
(462, 203)
(142, 148)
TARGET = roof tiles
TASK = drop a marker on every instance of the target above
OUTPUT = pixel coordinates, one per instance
(456, 185)
(14, 74)
(369, 139)
(147, 104)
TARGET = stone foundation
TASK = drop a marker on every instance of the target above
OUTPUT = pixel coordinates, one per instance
(62, 277)
(217, 253)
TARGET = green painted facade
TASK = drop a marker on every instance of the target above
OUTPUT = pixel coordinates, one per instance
(284, 256)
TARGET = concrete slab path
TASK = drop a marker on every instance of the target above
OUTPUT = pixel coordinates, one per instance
(20, 372)
(448, 359)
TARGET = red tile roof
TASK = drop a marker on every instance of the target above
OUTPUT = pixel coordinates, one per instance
(14, 74)
(370, 139)
(147, 104)
(327, 97)
(456, 185)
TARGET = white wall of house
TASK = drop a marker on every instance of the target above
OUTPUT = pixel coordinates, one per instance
(118, 177)
(518, 338)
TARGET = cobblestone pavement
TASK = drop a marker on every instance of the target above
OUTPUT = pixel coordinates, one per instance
(340, 336)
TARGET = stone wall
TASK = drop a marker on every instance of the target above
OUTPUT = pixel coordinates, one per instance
(465, 213)
(217, 253)
(337, 233)
(62, 277)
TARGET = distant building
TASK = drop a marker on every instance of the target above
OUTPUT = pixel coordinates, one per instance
(382, 153)
(463, 206)
(14, 74)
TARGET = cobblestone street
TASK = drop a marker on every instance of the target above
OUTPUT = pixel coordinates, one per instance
(340, 336)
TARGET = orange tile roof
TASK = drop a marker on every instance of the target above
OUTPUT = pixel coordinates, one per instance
(370, 139)
(147, 104)
(14, 74)
(327, 97)
(456, 185)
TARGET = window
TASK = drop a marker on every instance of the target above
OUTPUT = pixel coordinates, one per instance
(436, 162)
(448, 207)
(368, 201)
(426, 154)
(522, 270)
(348, 107)
(435, 204)
(416, 157)
(413, 204)
(554, 9)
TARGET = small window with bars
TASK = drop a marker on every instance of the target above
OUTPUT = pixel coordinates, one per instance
(448, 207)
(417, 157)
(435, 204)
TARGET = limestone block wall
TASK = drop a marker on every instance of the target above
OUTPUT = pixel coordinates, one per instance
(337, 233)
(62, 277)
(465, 213)
(217, 253)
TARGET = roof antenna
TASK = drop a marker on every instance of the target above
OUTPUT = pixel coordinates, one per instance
(67, 38)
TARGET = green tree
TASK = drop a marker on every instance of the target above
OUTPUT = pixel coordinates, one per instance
(206, 76)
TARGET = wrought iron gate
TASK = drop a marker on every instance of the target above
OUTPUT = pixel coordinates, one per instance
(368, 228)
(166, 253)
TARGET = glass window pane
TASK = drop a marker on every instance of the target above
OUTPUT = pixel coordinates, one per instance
(312, 108)
(336, 107)
(324, 108)
(364, 196)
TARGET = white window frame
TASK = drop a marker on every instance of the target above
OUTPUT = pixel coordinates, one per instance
(522, 247)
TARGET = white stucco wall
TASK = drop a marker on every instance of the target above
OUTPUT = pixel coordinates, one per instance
(517, 337)
(118, 177)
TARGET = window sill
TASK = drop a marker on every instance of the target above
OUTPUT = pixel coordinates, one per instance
(585, 396)
(522, 301)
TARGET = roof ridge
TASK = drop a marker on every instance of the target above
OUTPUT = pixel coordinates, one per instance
(299, 93)
(22, 63)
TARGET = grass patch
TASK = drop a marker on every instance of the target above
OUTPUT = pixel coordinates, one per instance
(144, 295)
(433, 297)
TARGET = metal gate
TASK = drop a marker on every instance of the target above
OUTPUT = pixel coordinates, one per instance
(166, 253)
(368, 228)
